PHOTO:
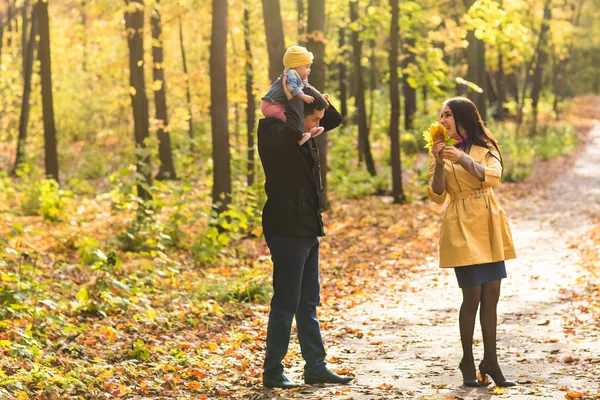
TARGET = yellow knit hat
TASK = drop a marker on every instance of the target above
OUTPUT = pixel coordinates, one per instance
(297, 56)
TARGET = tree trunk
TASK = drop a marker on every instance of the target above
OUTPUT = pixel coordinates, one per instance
(134, 22)
(24, 30)
(275, 39)
(221, 193)
(9, 18)
(363, 130)
(476, 71)
(85, 38)
(511, 83)
(25, 106)
(500, 84)
(537, 85)
(529, 74)
(51, 154)
(561, 68)
(396, 162)
(301, 24)
(410, 93)
(188, 94)
(542, 59)
(342, 74)
(372, 82)
(1, 36)
(167, 168)
(559, 85)
(316, 23)
(491, 97)
(251, 108)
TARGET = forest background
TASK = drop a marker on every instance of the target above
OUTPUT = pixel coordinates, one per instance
(131, 192)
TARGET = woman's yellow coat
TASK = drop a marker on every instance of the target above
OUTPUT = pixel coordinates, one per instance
(475, 228)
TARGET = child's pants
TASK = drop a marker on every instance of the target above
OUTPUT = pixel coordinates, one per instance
(273, 110)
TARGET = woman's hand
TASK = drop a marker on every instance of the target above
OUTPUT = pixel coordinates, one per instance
(451, 153)
(285, 89)
(438, 146)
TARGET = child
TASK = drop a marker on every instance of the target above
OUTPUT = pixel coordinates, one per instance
(297, 61)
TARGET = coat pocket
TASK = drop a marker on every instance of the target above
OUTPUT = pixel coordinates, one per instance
(305, 205)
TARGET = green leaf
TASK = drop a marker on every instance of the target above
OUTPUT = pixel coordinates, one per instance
(83, 295)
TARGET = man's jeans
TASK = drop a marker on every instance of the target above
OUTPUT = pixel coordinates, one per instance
(295, 292)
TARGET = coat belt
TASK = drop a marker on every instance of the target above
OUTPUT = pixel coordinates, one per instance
(467, 195)
(477, 193)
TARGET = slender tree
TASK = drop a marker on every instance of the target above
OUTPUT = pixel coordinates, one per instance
(84, 17)
(167, 168)
(409, 93)
(316, 44)
(558, 82)
(251, 107)
(342, 72)
(372, 82)
(24, 30)
(9, 20)
(364, 145)
(397, 190)
(188, 95)
(221, 193)
(529, 73)
(301, 23)
(501, 86)
(275, 39)
(476, 71)
(542, 59)
(134, 23)
(2, 23)
(25, 106)
(51, 153)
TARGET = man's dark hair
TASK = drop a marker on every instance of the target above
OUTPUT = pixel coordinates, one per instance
(319, 104)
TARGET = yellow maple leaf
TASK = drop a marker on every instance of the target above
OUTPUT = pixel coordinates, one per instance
(496, 390)
(157, 85)
(436, 132)
(22, 396)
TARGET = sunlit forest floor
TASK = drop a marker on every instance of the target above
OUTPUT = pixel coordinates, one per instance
(80, 320)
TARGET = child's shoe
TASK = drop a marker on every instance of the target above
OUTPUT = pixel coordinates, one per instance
(305, 137)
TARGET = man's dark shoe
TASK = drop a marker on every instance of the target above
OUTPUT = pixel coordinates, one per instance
(327, 376)
(279, 381)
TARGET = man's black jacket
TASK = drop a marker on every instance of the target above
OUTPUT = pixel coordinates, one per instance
(293, 176)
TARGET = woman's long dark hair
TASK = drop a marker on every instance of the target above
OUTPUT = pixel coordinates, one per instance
(467, 117)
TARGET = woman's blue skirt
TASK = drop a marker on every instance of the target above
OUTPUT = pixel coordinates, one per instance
(473, 275)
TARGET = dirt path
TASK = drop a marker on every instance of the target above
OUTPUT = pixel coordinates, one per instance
(411, 346)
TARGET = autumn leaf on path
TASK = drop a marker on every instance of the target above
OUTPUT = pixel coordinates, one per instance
(574, 395)
(496, 391)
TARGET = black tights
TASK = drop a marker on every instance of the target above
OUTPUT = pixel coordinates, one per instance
(487, 294)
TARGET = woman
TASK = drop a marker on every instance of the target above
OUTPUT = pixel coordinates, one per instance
(475, 238)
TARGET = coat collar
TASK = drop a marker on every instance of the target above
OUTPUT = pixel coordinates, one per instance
(478, 153)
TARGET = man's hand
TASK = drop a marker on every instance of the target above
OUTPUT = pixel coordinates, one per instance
(307, 99)
(451, 153)
(438, 146)
(285, 89)
(326, 96)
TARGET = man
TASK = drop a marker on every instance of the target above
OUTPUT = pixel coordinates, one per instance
(292, 224)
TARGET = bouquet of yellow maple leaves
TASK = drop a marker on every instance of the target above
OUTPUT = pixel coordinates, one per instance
(437, 132)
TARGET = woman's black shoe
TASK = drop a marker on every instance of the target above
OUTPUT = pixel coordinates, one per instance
(495, 373)
(464, 368)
